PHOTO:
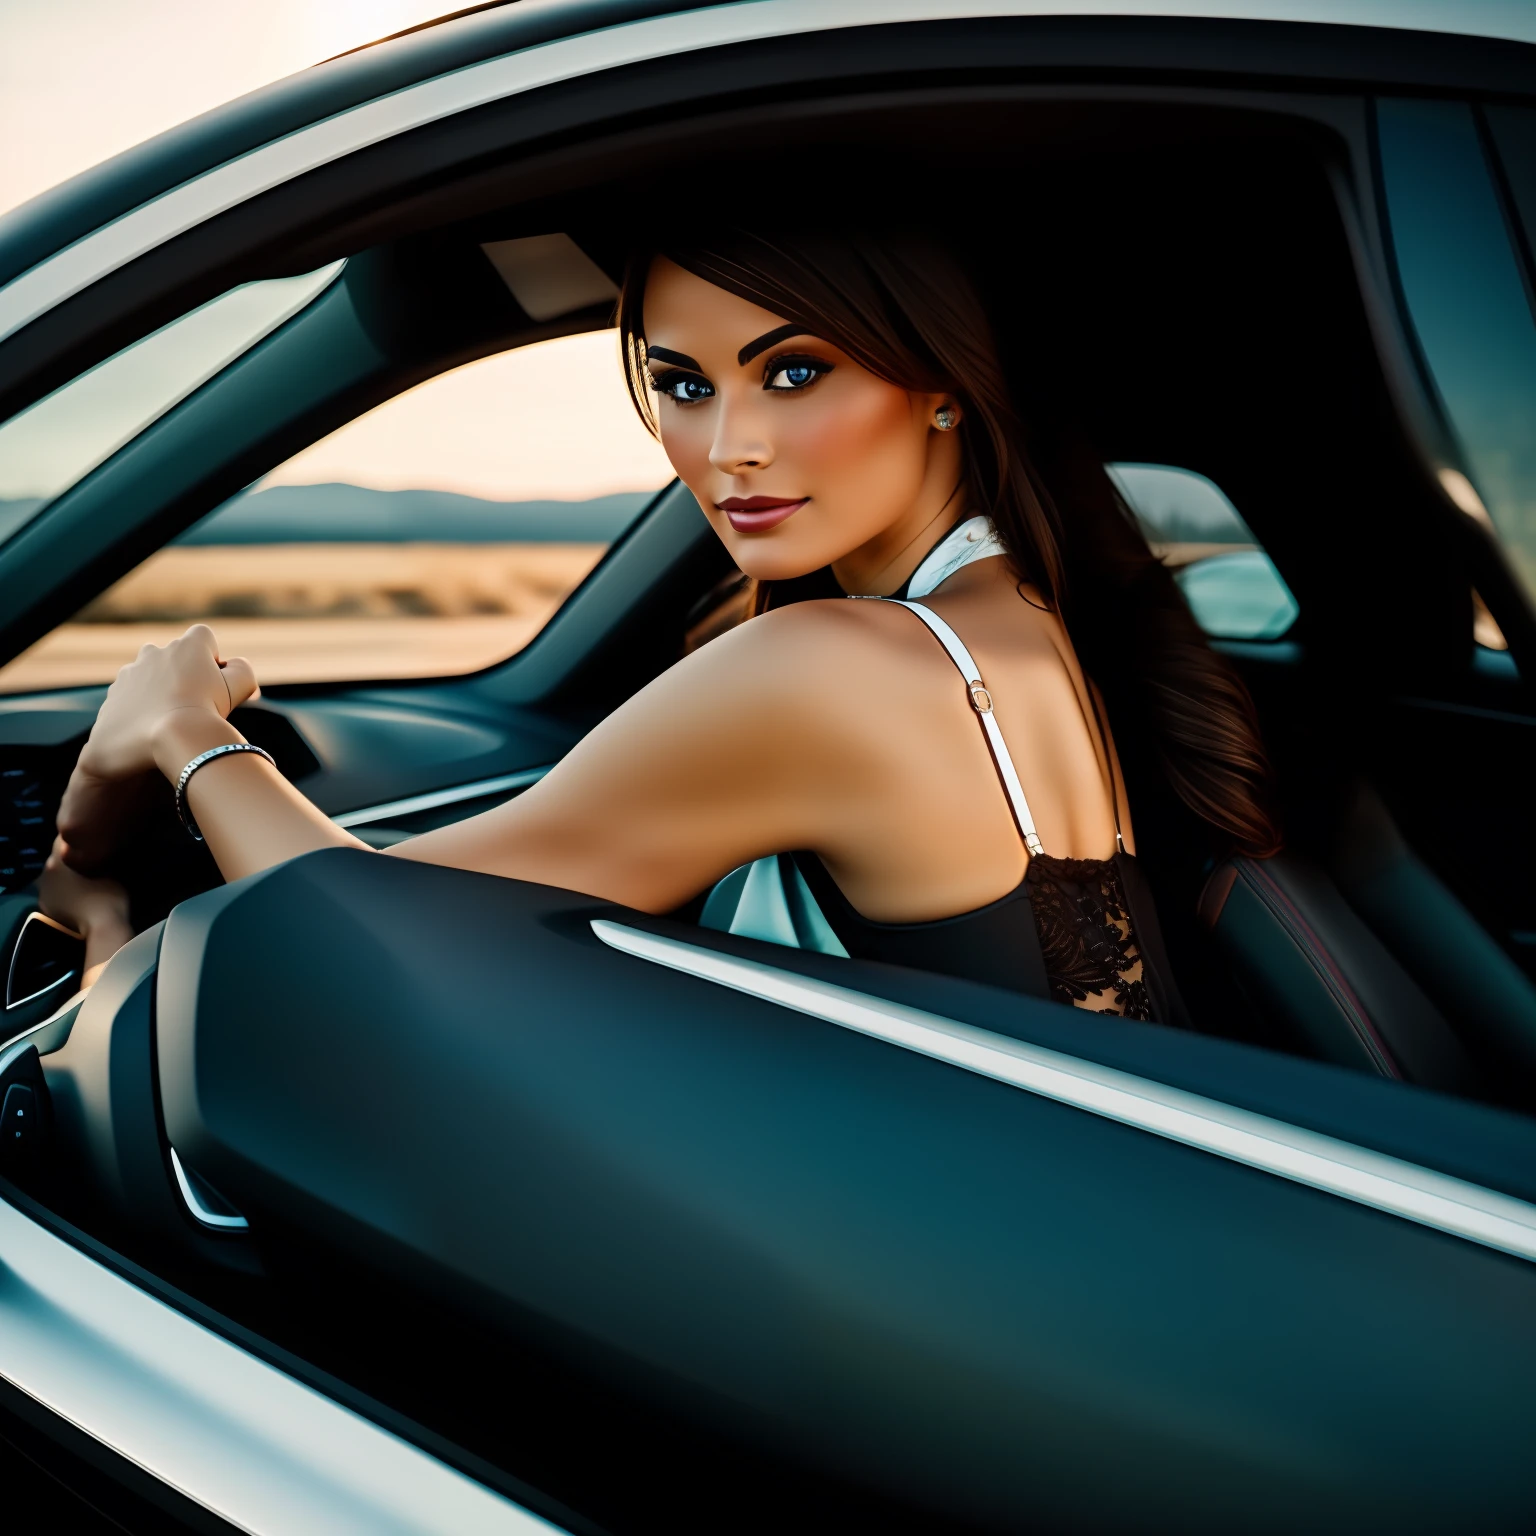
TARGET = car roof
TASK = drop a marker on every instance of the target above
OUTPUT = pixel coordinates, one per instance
(408, 62)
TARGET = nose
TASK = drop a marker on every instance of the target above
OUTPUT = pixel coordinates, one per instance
(740, 442)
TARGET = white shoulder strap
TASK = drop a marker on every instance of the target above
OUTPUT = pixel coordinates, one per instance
(981, 701)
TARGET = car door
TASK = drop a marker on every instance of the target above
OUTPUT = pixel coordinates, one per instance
(601, 1211)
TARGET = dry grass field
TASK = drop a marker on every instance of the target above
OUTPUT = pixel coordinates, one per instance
(319, 612)
(339, 612)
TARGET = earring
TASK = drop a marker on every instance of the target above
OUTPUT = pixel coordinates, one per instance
(946, 418)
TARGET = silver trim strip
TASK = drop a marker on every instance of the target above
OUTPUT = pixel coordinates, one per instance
(1272, 1146)
(234, 1434)
(194, 1203)
(12, 1050)
(21, 934)
(51, 1033)
(103, 251)
(32, 997)
(440, 797)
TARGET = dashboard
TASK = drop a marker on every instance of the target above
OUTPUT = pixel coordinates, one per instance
(386, 764)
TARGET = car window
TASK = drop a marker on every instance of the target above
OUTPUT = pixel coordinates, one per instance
(434, 535)
(46, 448)
(1469, 303)
(1231, 585)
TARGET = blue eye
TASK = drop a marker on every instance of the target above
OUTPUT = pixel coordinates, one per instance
(791, 373)
(685, 388)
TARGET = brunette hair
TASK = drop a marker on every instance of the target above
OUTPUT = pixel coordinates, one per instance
(902, 306)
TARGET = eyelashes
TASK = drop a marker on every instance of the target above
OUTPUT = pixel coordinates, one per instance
(786, 374)
(685, 388)
(797, 372)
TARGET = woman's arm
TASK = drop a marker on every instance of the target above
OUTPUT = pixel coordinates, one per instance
(735, 752)
(250, 816)
(164, 709)
(729, 755)
(745, 747)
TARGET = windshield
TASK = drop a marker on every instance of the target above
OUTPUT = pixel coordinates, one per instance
(55, 443)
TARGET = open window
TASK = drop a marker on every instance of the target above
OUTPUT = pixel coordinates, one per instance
(60, 439)
(432, 536)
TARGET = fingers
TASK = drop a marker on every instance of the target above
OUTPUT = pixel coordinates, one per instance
(95, 814)
(240, 679)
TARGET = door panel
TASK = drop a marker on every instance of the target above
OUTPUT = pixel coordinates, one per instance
(958, 1293)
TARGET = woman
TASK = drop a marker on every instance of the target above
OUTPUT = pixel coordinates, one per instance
(838, 408)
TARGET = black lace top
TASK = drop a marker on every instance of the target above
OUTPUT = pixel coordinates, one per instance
(1087, 940)
(1078, 931)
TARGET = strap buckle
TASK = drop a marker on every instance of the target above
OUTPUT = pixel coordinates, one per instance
(980, 698)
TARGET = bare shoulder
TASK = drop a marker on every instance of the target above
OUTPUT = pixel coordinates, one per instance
(766, 730)
(811, 679)
(807, 645)
(844, 651)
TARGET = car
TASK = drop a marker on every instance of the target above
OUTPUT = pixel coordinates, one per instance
(367, 1195)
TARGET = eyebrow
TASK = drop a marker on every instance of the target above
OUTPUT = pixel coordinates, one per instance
(769, 339)
(665, 355)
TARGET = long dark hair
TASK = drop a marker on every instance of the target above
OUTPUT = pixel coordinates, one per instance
(902, 306)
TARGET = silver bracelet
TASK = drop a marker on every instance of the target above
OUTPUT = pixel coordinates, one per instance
(201, 761)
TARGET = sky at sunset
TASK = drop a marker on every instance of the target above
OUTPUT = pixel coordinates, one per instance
(81, 80)
(551, 420)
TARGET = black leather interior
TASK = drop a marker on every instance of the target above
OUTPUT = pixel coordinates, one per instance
(1477, 987)
(1321, 976)
(1366, 959)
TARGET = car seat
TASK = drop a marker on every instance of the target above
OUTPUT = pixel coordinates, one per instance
(1369, 961)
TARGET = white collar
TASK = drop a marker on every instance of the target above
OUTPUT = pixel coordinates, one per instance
(974, 539)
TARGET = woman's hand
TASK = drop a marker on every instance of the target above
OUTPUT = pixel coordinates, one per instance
(96, 909)
(188, 675)
(171, 694)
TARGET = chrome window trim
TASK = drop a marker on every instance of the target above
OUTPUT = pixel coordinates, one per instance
(1325, 1163)
(260, 1449)
(76, 267)
(200, 1212)
(508, 783)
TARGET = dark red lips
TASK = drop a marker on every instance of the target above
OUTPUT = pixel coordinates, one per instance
(757, 514)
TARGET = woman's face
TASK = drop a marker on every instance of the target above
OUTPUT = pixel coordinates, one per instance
(799, 457)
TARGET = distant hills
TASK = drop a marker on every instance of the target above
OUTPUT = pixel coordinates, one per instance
(1170, 504)
(355, 514)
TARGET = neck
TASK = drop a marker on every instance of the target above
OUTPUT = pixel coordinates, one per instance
(880, 567)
